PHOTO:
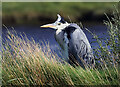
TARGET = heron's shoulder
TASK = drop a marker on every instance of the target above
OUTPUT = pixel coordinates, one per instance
(74, 25)
(71, 27)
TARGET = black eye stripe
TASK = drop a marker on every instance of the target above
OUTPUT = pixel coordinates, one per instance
(62, 20)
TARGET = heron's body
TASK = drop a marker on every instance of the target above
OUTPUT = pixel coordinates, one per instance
(73, 42)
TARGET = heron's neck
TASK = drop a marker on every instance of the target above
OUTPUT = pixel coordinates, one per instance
(61, 28)
(58, 31)
(65, 52)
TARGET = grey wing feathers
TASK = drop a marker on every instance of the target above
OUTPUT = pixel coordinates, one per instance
(78, 43)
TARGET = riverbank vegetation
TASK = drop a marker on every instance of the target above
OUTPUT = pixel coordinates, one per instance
(25, 62)
(42, 12)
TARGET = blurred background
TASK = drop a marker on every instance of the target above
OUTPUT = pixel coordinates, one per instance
(27, 17)
(43, 12)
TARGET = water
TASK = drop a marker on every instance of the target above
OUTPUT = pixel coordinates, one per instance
(39, 34)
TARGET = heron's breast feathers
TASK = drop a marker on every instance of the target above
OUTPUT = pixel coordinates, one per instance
(65, 39)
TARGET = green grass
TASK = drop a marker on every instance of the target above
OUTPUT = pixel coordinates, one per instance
(30, 11)
(0, 71)
(25, 62)
(53, 7)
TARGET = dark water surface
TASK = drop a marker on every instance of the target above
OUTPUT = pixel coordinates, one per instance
(39, 34)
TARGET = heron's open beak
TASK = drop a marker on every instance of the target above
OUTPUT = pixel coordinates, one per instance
(48, 26)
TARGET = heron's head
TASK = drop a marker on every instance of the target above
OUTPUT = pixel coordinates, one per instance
(60, 24)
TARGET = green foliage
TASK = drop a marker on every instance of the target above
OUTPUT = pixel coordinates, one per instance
(25, 62)
(109, 47)
(29, 11)
(53, 7)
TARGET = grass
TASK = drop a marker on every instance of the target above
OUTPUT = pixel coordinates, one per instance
(53, 7)
(0, 72)
(24, 12)
(25, 62)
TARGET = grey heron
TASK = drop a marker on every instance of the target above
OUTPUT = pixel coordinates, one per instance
(74, 44)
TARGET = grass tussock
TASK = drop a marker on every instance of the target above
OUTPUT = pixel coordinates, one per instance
(25, 62)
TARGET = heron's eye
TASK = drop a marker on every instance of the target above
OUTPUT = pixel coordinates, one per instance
(59, 23)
